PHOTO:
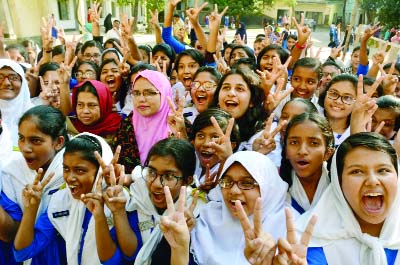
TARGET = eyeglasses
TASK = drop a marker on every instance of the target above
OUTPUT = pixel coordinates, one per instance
(145, 93)
(166, 179)
(331, 74)
(208, 85)
(244, 184)
(345, 99)
(11, 78)
(87, 74)
(89, 56)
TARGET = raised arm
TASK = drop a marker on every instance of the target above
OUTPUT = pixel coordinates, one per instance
(214, 24)
(156, 26)
(303, 34)
(193, 14)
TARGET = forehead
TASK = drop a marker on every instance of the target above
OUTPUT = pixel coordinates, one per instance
(385, 114)
(144, 83)
(110, 65)
(7, 70)
(206, 76)
(234, 78)
(329, 69)
(237, 171)
(92, 49)
(272, 52)
(294, 107)
(186, 59)
(163, 163)
(344, 87)
(305, 72)
(87, 96)
(85, 67)
(160, 53)
(306, 129)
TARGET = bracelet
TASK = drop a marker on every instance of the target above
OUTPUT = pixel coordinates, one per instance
(300, 47)
(49, 51)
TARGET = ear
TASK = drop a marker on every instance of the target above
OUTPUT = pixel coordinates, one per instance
(328, 153)
(233, 144)
(59, 143)
(189, 180)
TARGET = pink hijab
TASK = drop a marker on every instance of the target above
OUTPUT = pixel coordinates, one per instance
(150, 130)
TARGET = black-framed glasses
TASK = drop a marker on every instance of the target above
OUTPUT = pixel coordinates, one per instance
(243, 184)
(348, 100)
(145, 93)
(89, 56)
(207, 85)
(166, 179)
(325, 74)
(10, 77)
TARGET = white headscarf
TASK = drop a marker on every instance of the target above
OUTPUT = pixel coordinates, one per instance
(6, 145)
(71, 228)
(218, 236)
(339, 233)
(12, 110)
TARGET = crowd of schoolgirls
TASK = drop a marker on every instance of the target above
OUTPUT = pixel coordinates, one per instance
(197, 153)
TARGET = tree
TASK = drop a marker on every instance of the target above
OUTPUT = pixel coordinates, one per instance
(239, 8)
(388, 13)
(370, 8)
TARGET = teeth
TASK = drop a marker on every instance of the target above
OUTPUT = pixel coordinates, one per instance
(373, 194)
(72, 186)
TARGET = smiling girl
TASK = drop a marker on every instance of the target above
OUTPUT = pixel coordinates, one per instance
(42, 134)
(360, 207)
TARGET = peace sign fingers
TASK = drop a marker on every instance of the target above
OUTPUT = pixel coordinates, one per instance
(291, 231)
(115, 158)
(244, 221)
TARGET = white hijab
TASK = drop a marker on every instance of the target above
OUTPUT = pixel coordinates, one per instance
(12, 110)
(6, 145)
(297, 192)
(338, 232)
(71, 228)
(218, 236)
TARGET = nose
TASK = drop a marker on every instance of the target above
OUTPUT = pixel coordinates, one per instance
(231, 92)
(25, 147)
(303, 149)
(157, 183)
(372, 179)
(234, 189)
(187, 69)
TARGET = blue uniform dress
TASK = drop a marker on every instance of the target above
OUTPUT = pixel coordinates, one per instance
(45, 233)
(316, 255)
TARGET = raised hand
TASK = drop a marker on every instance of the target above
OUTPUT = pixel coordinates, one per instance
(193, 12)
(106, 169)
(335, 52)
(154, 18)
(32, 193)
(279, 70)
(291, 251)
(94, 200)
(303, 30)
(363, 108)
(114, 195)
(176, 121)
(126, 26)
(223, 145)
(222, 66)
(65, 70)
(50, 93)
(273, 99)
(211, 180)
(95, 13)
(47, 39)
(260, 247)
(265, 144)
(215, 17)
(173, 225)
(389, 80)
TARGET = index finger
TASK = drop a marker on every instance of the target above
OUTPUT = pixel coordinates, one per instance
(113, 181)
(170, 202)
(38, 176)
(291, 234)
(374, 86)
(229, 128)
(182, 200)
(115, 158)
(216, 126)
(98, 188)
(244, 220)
(224, 11)
(73, 62)
(391, 70)
(121, 176)
(269, 123)
(47, 180)
(171, 104)
(194, 201)
(360, 86)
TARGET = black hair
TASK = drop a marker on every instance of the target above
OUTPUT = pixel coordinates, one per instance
(249, 52)
(327, 133)
(254, 116)
(94, 66)
(392, 103)
(105, 62)
(113, 50)
(215, 75)
(310, 107)
(111, 41)
(86, 87)
(182, 152)
(283, 53)
(292, 36)
(369, 140)
(259, 38)
(243, 62)
(59, 49)
(222, 117)
(339, 78)
(369, 81)
(194, 54)
(48, 120)
(78, 48)
(146, 48)
(48, 67)
(91, 43)
(86, 145)
(310, 63)
(331, 63)
(388, 65)
(357, 48)
(168, 51)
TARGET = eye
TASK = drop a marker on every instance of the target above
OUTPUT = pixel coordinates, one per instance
(199, 136)
(293, 142)
(355, 172)
(36, 141)
(66, 169)
(384, 170)
(295, 79)
(225, 87)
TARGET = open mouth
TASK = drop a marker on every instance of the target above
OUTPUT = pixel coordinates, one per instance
(373, 202)
(158, 197)
(201, 99)
(110, 82)
(302, 163)
(231, 104)
(187, 81)
(205, 157)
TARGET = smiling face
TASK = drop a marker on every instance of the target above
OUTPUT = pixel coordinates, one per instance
(9, 89)
(234, 96)
(160, 57)
(335, 108)
(111, 77)
(162, 165)
(79, 174)
(37, 148)
(304, 81)
(187, 67)
(201, 97)
(306, 150)
(237, 172)
(146, 105)
(85, 72)
(88, 108)
(205, 153)
(369, 185)
(53, 76)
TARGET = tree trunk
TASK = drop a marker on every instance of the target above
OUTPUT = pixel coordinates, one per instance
(352, 22)
(344, 13)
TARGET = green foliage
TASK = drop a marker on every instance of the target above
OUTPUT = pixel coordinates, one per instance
(242, 7)
(388, 12)
(124, 2)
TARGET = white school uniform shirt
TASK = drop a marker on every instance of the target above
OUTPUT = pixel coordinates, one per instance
(6, 145)
(218, 236)
(337, 230)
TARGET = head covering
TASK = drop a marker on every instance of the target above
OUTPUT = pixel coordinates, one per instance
(109, 120)
(120, 58)
(217, 231)
(149, 130)
(12, 110)
(71, 228)
(339, 233)
(242, 32)
(107, 23)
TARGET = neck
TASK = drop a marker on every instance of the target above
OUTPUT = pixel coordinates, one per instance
(368, 228)
(338, 125)
(310, 184)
